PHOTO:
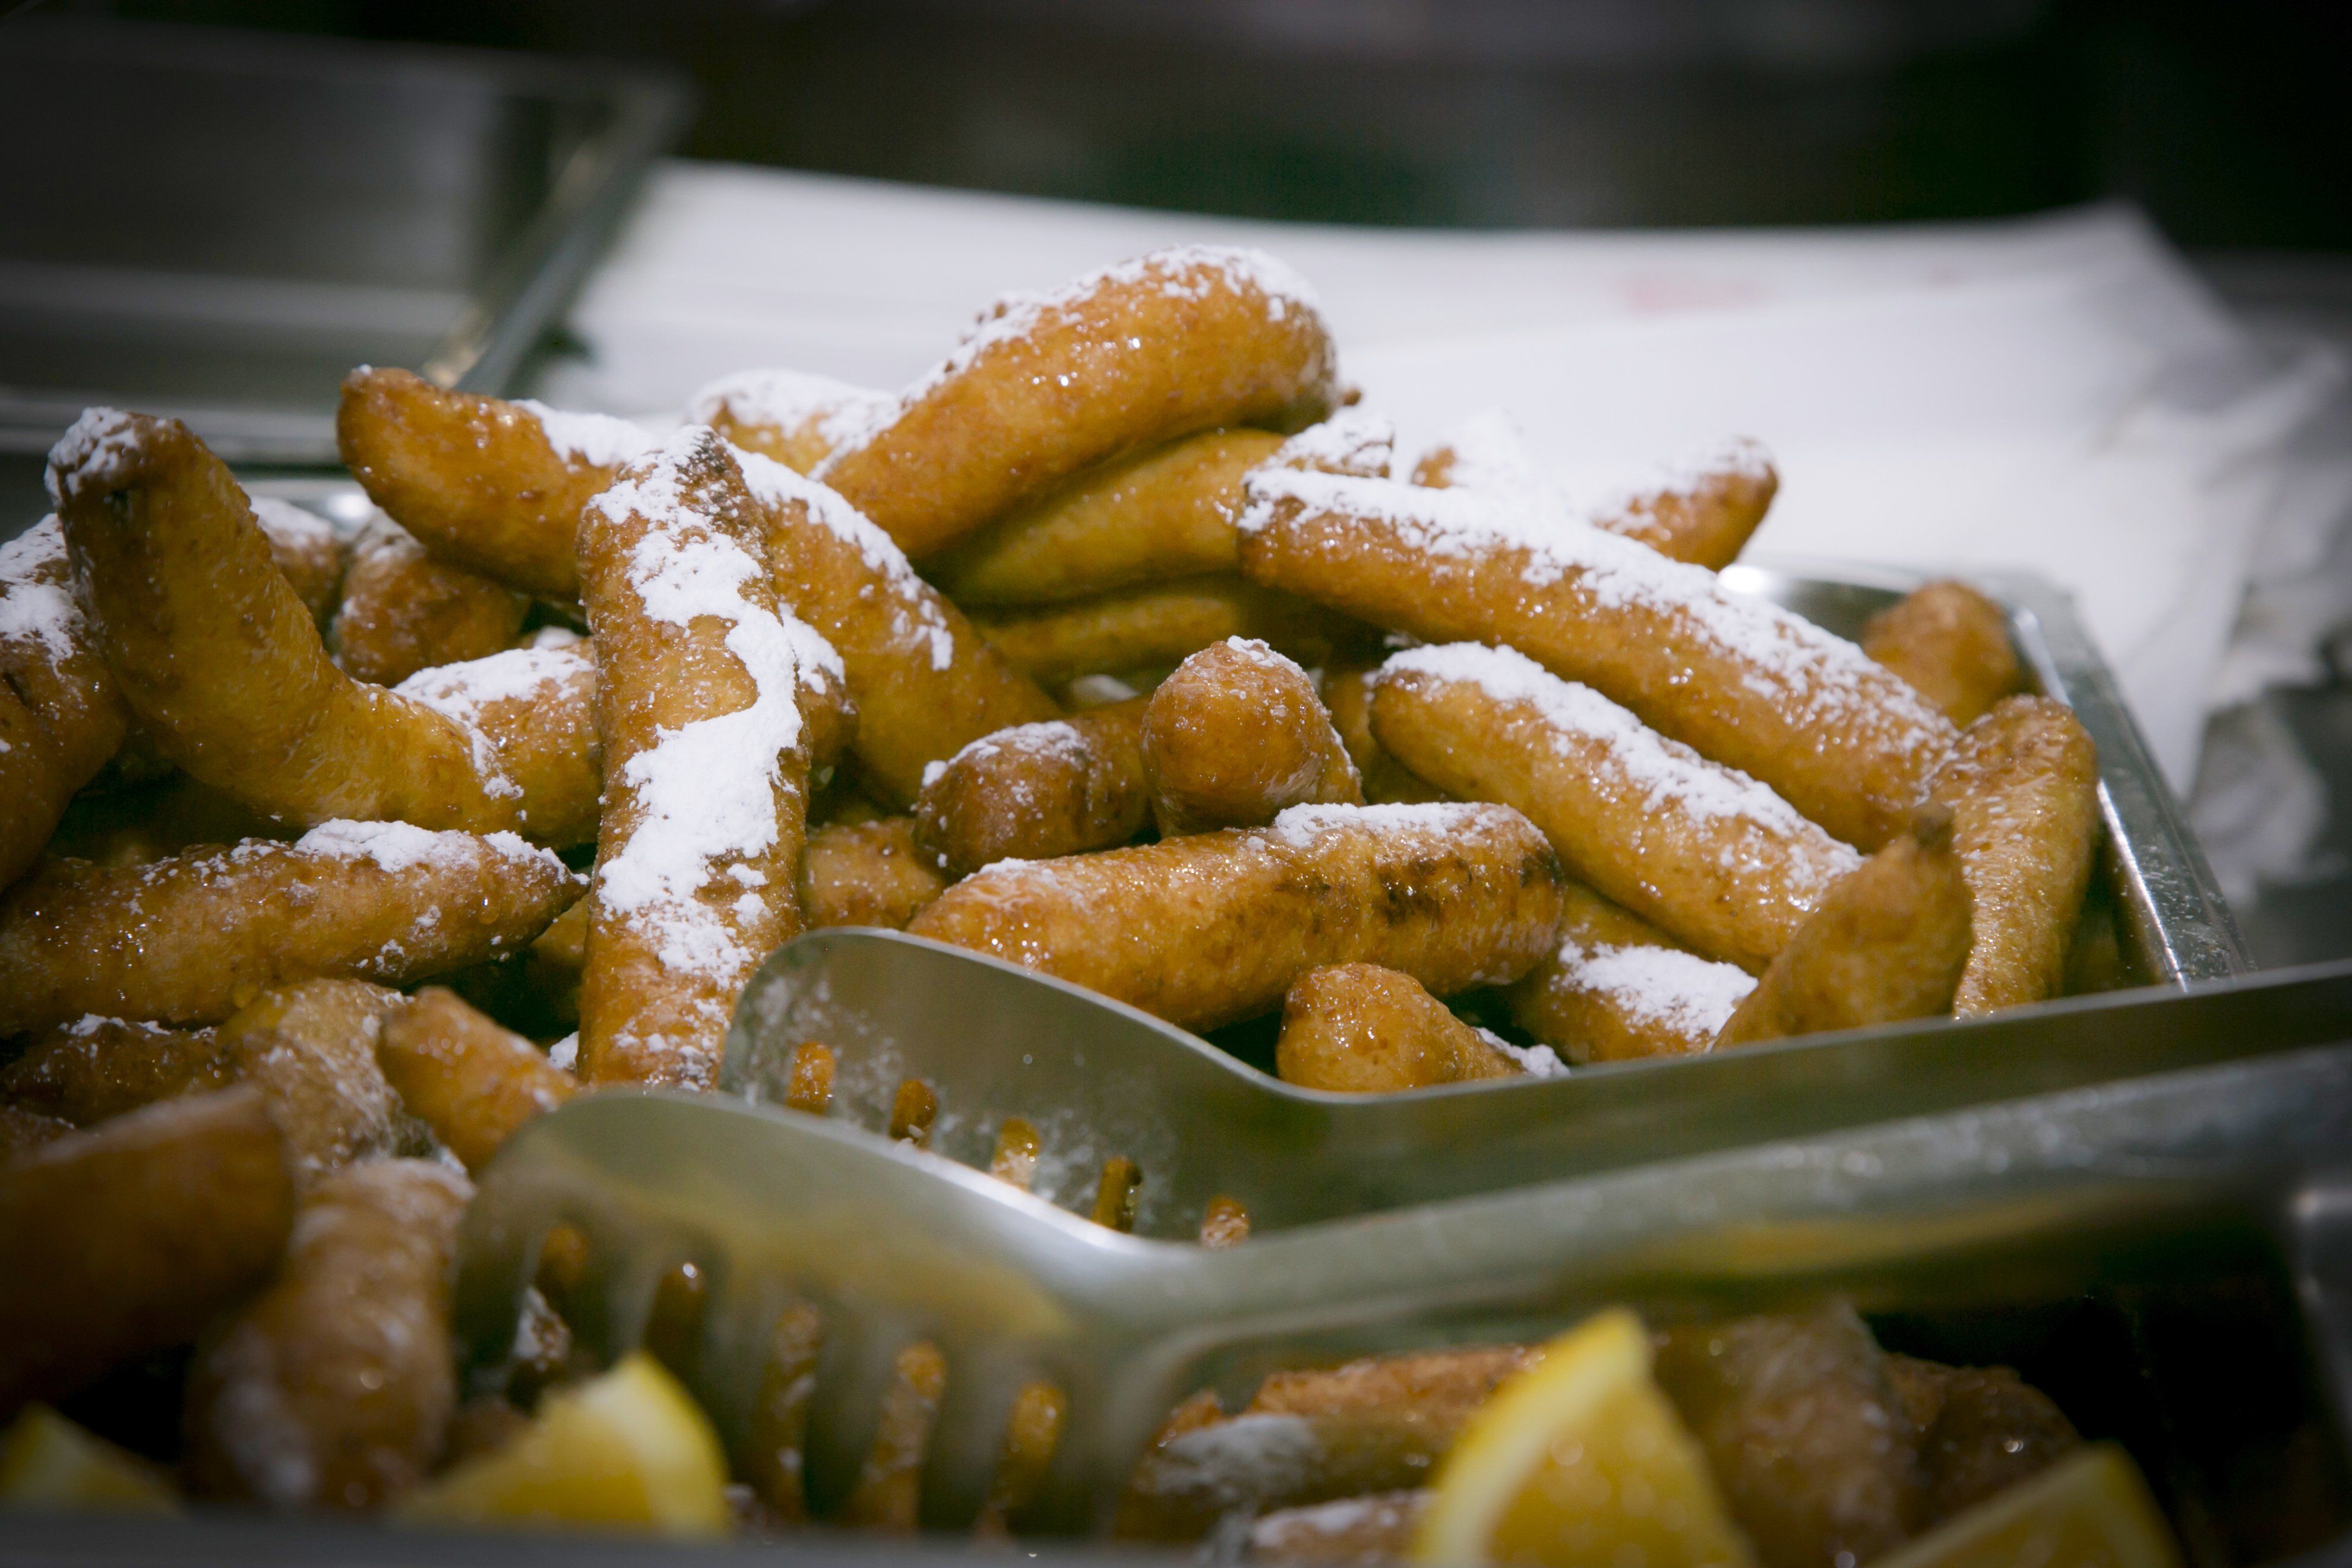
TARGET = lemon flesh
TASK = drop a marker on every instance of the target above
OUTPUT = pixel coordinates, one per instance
(627, 1451)
(48, 1462)
(2091, 1509)
(1580, 1460)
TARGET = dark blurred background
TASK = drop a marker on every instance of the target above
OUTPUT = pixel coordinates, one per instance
(2223, 120)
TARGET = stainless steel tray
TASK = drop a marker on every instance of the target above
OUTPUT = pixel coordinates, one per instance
(219, 225)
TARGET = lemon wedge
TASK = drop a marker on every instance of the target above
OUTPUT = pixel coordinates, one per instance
(627, 1450)
(1580, 1460)
(2090, 1510)
(49, 1462)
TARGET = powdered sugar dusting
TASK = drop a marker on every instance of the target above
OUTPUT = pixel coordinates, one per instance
(597, 439)
(1304, 826)
(1657, 987)
(917, 610)
(37, 604)
(1353, 441)
(1182, 272)
(1535, 1062)
(1822, 681)
(1490, 454)
(462, 690)
(289, 525)
(793, 399)
(96, 450)
(1703, 468)
(398, 846)
(705, 790)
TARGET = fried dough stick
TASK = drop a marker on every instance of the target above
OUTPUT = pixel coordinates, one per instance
(1162, 624)
(490, 486)
(1167, 513)
(706, 762)
(1237, 735)
(334, 1388)
(1951, 642)
(536, 706)
(1620, 989)
(310, 1050)
(1699, 849)
(186, 939)
(1981, 1430)
(1889, 942)
(924, 682)
(1137, 353)
(1749, 685)
(1348, 698)
(790, 416)
(2024, 795)
(1206, 929)
(307, 550)
(867, 874)
(470, 1080)
(1357, 1028)
(402, 610)
(61, 715)
(223, 664)
(128, 1238)
(1035, 792)
(94, 1069)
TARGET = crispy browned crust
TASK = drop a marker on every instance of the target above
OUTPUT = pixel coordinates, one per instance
(310, 1050)
(402, 610)
(130, 1238)
(470, 1080)
(186, 939)
(1804, 1432)
(1585, 1023)
(544, 737)
(1141, 354)
(1206, 929)
(333, 1389)
(1855, 755)
(1357, 1028)
(1036, 791)
(925, 683)
(1163, 623)
(223, 664)
(61, 715)
(1348, 697)
(2024, 795)
(662, 975)
(1237, 735)
(1731, 886)
(93, 1069)
(1888, 943)
(1168, 513)
(868, 874)
(1705, 521)
(473, 477)
(1952, 644)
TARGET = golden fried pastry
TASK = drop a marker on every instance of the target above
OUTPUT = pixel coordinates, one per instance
(223, 664)
(402, 610)
(333, 1389)
(187, 939)
(1237, 735)
(924, 682)
(2024, 791)
(1887, 943)
(1168, 513)
(790, 416)
(1035, 792)
(1348, 698)
(1357, 1028)
(1699, 849)
(1136, 354)
(1210, 929)
(535, 708)
(868, 874)
(1981, 1430)
(95, 1068)
(1372, 1528)
(698, 859)
(1951, 642)
(310, 1050)
(1803, 1429)
(470, 1080)
(1163, 623)
(307, 550)
(61, 715)
(490, 486)
(130, 1238)
(889, 1481)
(1741, 681)
(1619, 988)
(1033, 1432)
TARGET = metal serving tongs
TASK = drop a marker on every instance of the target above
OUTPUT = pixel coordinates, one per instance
(889, 1244)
